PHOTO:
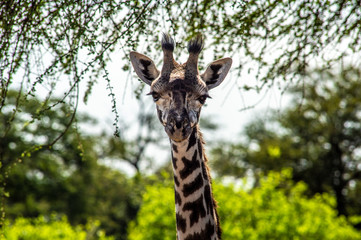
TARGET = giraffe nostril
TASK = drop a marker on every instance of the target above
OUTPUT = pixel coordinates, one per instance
(178, 124)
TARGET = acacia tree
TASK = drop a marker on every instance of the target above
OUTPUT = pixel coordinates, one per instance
(318, 136)
(46, 44)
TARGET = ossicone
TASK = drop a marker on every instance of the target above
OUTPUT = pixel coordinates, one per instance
(196, 44)
(167, 43)
(168, 61)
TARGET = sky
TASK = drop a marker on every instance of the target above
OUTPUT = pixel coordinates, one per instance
(230, 107)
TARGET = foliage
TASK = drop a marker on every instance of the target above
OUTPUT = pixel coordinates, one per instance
(277, 209)
(42, 228)
(156, 217)
(52, 47)
(318, 136)
(331, 111)
(67, 178)
(55, 46)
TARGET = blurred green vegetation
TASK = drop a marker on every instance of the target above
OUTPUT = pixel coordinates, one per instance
(315, 139)
(66, 178)
(317, 135)
(49, 166)
(276, 209)
(156, 218)
(55, 228)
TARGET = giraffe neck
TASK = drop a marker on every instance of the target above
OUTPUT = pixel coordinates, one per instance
(196, 214)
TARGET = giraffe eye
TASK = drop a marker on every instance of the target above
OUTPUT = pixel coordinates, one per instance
(202, 99)
(156, 96)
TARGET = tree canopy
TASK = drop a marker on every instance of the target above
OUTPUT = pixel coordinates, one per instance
(318, 136)
(44, 45)
(69, 178)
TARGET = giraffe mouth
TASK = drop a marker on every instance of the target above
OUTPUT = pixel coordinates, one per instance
(178, 134)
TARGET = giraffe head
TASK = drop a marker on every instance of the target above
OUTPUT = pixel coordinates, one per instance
(179, 90)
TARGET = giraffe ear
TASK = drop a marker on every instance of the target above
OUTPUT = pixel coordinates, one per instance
(216, 72)
(144, 67)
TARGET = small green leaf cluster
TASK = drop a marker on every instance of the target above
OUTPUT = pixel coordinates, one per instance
(43, 228)
(156, 218)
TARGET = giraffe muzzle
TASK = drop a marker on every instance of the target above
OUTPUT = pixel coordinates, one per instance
(178, 128)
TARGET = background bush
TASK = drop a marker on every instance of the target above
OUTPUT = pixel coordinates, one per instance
(43, 228)
(277, 209)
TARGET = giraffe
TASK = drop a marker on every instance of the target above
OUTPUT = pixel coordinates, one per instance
(179, 92)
